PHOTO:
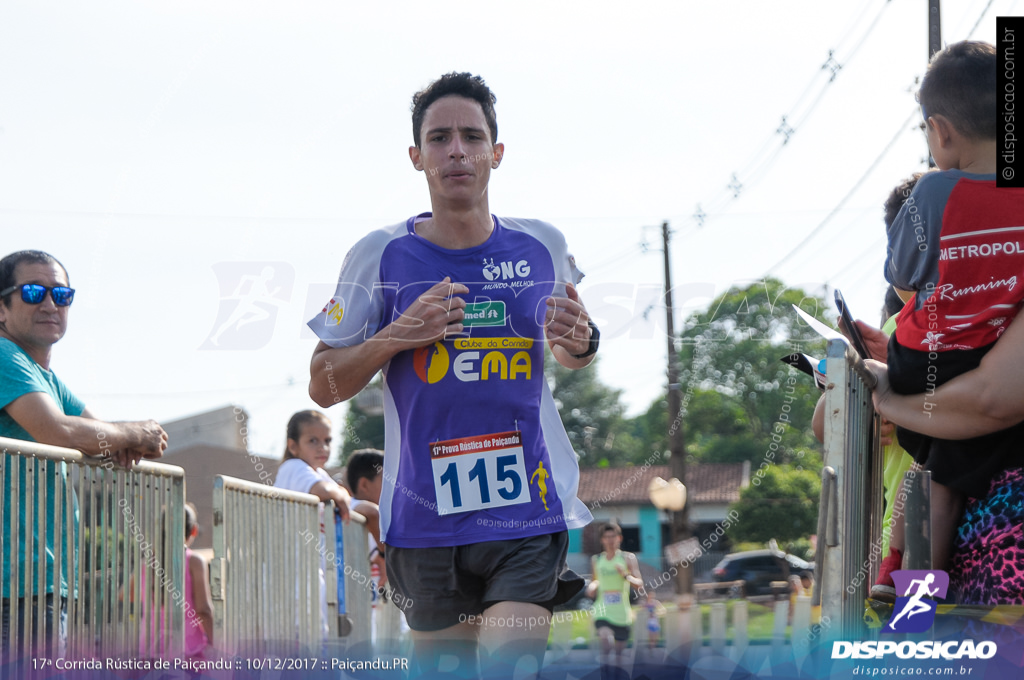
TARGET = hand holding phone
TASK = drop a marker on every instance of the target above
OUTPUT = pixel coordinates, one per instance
(849, 328)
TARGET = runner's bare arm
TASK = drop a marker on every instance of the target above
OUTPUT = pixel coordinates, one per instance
(592, 586)
(635, 579)
(567, 330)
(338, 373)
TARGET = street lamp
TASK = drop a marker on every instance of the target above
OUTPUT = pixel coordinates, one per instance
(671, 496)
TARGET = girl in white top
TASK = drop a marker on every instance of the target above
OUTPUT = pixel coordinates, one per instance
(307, 451)
(309, 447)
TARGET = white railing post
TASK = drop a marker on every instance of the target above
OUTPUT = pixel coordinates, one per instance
(848, 556)
(741, 633)
(266, 572)
(358, 584)
(122, 510)
(718, 627)
(267, 556)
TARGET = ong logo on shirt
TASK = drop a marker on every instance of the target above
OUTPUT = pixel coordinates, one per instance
(505, 270)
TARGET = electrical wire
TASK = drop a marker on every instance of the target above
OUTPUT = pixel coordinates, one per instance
(978, 22)
(904, 126)
(756, 169)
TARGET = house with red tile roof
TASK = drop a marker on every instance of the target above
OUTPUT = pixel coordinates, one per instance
(621, 494)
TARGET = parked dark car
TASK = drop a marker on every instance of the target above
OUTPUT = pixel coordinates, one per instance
(758, 568)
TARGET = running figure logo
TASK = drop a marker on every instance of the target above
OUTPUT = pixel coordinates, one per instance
(541, 475)
(250, 295)
(912, 613)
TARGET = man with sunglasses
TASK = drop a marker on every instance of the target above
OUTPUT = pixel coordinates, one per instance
(35, 297)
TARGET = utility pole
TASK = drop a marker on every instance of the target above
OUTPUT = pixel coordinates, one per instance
(677, 462)
(934, 28)
(934, 43)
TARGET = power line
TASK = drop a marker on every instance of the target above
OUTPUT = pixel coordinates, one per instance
(904, 126)
(618, 258)
(858, 260)
(757, 168)
(978, 22)
(876, 161)
(191, 393)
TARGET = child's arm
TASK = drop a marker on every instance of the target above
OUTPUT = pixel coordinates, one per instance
(372, 514)
(818, 420)
(382, 564)
(201, 598)
(332, 492)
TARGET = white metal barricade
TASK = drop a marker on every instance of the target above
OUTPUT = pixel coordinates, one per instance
(265, 578)
(265, 575)
(850, 515)
(105, 542)
(358, 586)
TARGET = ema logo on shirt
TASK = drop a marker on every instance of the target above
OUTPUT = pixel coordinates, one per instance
(912, 613)
(431, 363)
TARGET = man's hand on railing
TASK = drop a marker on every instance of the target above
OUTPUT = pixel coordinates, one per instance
(126, 458)
(153, 439)
(881, 392)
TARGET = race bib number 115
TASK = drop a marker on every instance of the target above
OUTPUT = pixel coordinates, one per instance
(479, 473)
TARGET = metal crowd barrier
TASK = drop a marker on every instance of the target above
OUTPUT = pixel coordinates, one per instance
(116, 546)
(355, 574)
(265, 575)
(850, 515)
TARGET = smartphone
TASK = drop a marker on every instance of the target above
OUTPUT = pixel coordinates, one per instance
(852, 332)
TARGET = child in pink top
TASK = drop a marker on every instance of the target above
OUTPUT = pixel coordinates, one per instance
(199, 603)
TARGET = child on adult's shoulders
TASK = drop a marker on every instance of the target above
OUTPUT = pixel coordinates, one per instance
(948, 245)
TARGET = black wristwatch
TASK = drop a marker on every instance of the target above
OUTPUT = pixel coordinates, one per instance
(595, 341)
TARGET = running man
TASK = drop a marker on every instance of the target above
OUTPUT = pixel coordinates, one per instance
(914, 604)
(540, 475)
(455, 306)
(615, 572)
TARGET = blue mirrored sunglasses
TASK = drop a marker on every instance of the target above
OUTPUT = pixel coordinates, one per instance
(33, 294)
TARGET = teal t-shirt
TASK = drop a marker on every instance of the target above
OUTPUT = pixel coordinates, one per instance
(20, 375)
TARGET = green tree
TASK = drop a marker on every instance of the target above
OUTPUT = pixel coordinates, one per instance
(781, 503)
(740, 402)
(364, 421)
(592, 413)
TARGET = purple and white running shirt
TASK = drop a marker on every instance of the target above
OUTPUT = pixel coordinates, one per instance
(474, 447)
